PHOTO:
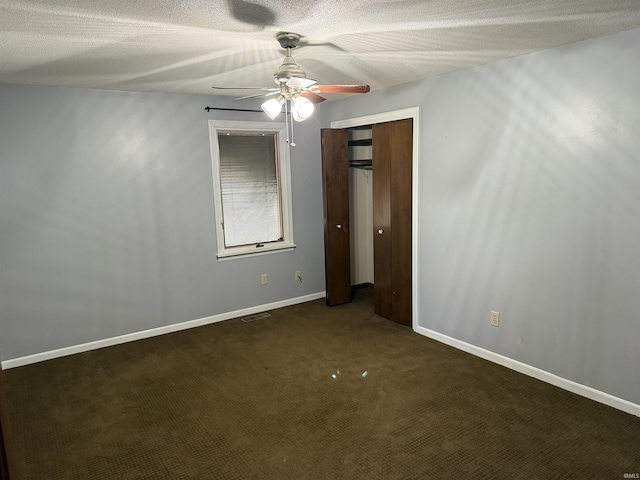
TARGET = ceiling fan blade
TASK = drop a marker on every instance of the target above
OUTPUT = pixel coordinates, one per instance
(245, 88)
(312, 97)
(300, 83)
(268, 94)
(340, 88)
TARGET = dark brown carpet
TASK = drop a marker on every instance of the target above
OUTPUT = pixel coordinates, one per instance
(259, 400)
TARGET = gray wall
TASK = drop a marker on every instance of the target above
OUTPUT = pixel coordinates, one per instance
(107, 224)
(529, 204)
(529, 186)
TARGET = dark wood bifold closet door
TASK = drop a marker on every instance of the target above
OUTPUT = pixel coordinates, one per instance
(381, 134)
(335, 179)
(392, 179)
(8, 468)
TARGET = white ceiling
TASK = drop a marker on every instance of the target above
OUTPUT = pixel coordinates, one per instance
(190, 45)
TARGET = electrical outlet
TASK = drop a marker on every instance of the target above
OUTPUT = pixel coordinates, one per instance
(495, 319)
(298, 276)
(265, 279)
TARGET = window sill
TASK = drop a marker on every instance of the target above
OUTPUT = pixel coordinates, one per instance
(244, 252)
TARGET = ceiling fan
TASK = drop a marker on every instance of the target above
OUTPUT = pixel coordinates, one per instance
(293, 86)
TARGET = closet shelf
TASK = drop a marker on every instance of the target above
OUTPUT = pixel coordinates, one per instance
(366, 164)
(361, 143)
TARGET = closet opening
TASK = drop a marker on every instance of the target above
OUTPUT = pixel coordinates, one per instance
(367, 180)
(360, 154)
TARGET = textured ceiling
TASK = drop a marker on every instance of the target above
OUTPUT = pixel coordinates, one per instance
(189, 45)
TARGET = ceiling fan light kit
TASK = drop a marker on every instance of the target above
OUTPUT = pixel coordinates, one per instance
(302, 108)
(273, 106)
(293, 86)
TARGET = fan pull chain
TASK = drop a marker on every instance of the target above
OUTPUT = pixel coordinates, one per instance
(293, 142)
(286, 120)
(288, 124)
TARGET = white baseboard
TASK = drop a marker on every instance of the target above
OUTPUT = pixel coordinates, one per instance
(107, 342)
(534, 372)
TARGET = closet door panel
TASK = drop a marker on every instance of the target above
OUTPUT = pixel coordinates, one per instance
(335, 179)
(382, 269)
(401, 183)
(8, 463)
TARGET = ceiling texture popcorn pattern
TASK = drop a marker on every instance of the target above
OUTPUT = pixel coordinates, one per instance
(187, 46)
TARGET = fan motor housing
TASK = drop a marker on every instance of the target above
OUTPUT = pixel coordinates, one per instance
(287, 70)
(289, 67)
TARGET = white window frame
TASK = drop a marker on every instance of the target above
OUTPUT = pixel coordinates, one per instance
(284, 184)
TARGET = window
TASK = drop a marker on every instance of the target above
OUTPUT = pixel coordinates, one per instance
(250, 164)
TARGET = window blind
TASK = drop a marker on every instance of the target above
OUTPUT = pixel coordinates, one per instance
(249, 186)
